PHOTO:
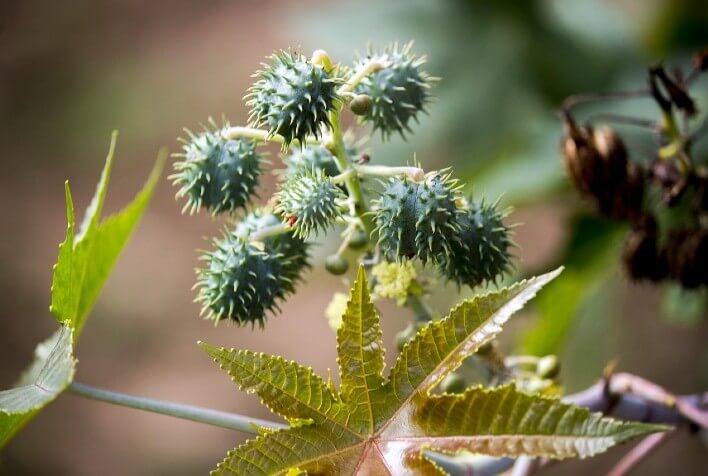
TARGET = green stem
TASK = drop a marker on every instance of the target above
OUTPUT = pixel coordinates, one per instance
(218, 418)
(273, 230)
(259, 135)
(352, 181)
(371, 66)
(414, 173)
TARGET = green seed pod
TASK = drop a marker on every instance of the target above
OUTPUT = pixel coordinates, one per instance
(307, 158)
(309, 202)
(293, 250)
(361, 104)
(241, 281)
(336, 264)
(482, 252)
(418, 218)
(292, 97)
(359, 240)
(453, 383)
(216, 173)
(398, 91)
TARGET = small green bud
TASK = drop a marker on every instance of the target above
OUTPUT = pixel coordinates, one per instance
(359, 240)
(336, 264)
(361, 104)
(548, 367)
(453, 383)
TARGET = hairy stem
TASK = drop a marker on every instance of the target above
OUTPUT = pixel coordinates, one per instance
(218, 418)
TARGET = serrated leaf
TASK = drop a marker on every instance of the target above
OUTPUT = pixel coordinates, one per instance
(50, 373)
(374, 426)
(361, 355)
(83, 265)
(86, 258)
(440, 347)
(506, 422)
(285, 387)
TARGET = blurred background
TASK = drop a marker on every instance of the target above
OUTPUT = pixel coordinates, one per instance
(72, 71)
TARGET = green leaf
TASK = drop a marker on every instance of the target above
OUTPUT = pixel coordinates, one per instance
(378, 426)
(50, 373)
(83, 265)
(87, 257)
(505, 422)
(440, 347)
(361, 355)
(285, 387)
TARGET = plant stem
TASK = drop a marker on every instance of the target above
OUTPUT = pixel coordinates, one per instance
(259, 135)
(352, 181)
(218, 418)
(272, 230)
(371, 66)
(415, 173)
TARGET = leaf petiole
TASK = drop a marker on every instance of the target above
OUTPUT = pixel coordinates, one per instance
(208, 416)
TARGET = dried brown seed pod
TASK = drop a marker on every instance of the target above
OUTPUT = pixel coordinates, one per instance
(687, 257)
(641, 256)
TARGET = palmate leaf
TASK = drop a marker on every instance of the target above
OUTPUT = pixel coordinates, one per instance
(381, 426)
(85, 260)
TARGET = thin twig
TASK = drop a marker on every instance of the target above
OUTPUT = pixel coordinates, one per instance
(637, 454)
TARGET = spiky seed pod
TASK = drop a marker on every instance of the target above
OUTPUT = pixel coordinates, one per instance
(307, 158)
(216, 173)
(418, 218)
(398, 92)
(241, 281)
(293, 250)
(309, 202)
(482, 252)
(292, 97)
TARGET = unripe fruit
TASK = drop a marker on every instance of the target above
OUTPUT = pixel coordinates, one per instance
(358, 240)
(418, 218)
(361, 104)
(309, 202)
(241, 281)
(336, 264)
(216, 173)
(481, 253)
(398, 91)
(292, 250)
(292, 97)
(307, 158)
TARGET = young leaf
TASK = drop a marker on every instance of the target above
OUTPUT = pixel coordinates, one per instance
(50, 373)
(378, 426)
(84, 263)
(87, 257)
